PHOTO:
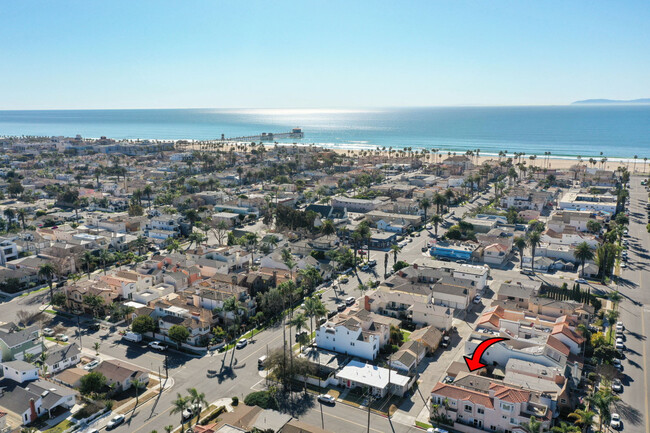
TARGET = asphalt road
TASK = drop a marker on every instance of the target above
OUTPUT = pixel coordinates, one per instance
(635, 314)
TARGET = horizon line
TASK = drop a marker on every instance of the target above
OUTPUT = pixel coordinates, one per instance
(340, 108)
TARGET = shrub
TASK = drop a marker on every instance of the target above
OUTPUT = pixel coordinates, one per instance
(235, 401)
(263, 399)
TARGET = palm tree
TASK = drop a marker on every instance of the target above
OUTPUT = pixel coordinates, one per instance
(178, 406)
(534, 239)
(436, 220)
(565, 428)
(47, 271)
(197, 399)
(169, 428)
(328, 228)
(583, 252)
(137, 384)
(584, 418)
(439, 201)
(603, 400)
(105, 257)
(425, 204)
(395, 250)
(96, 346)
(148, 190)
(314, 308)
(141, 243)
(520, 243)
(298, 321)
(87, 259)
(22, 214)
(533, 426)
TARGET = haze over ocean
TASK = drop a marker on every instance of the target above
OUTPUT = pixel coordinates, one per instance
(618, 131)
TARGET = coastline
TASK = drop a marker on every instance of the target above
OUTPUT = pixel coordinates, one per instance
(553, 162)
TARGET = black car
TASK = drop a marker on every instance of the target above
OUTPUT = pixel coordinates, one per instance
(93, 327)
(341, 307)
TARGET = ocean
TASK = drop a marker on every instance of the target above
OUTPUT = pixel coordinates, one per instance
(614, 131)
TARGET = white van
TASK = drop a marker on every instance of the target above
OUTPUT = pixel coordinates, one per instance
(133, 337)
(261, 362)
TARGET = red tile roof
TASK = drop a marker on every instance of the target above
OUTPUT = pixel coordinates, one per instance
(462, 394)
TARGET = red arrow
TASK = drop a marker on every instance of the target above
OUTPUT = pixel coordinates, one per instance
(474, 362)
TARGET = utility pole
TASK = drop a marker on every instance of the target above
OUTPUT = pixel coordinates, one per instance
(369, 403)
(79, 332)
(322, 420)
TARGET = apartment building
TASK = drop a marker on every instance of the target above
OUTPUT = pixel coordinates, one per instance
(473, 403)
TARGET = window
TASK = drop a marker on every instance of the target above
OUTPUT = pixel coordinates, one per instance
(480, 410)
(493, 427)
(468, 408)
(514, 421)
(507, 407)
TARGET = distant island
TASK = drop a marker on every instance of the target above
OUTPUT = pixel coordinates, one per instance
(613, 101)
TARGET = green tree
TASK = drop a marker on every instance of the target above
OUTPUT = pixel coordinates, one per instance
(534, 239)
(584, 418)
(582, 253)
(60, 299)
(94, 302)
(47, 272)
(179, 334)
(533, 425)
(328, 228)
(425, 204)
(436, 220)
(178, 406)
(197, 399)
(143, 324)
(395, 249)
(92, 382)
(520, 243)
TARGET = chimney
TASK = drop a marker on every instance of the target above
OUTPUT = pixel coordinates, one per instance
(415, 265)
(366, 303)
(401, 273)
(32, 409)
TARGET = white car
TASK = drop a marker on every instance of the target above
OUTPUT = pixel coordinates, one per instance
(157, 345)
(92, 364)
(620, 327)
(241, 343)
(436, 430)
(62, 337)
(326, 398)
(620, 345)
(115, 421)
(48, 332)
(581, 280)
(477, 299)
(617, 386)
(620, 340)
(191, 411)
(615, 421)
(350, 301)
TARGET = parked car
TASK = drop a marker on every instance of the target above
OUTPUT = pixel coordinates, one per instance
(157, 345)
(617, 364)
(620, 327)
(365, 268)
(327, 399)
(477, 299)
(617, 386)
(340, 307)
(615, 421)
(620, 345)
(350, 301)
(92, 364)
(241, 343)
(93, 327)
(344, 280)
(62, 337)
(191, 411)
(48, 332)
(115, 421)
(581, 280)
(436, 430)
(446, 341)
(372, 263)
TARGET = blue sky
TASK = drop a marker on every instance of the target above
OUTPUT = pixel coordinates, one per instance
(335, 54)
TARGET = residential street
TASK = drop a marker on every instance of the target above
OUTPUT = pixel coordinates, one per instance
(635, 314)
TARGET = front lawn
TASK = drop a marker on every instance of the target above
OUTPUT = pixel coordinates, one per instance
(60, 427)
